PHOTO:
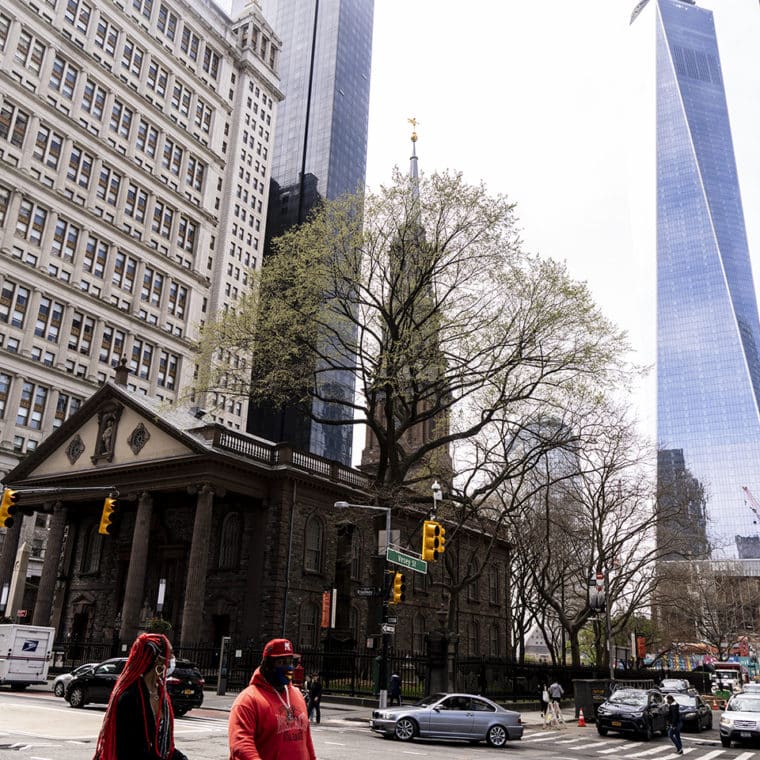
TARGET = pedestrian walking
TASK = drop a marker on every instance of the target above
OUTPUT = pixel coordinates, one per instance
(394, 689)
(555, 692)
(674, 723)
(268, 720)
(139, 720)
(315, 697)
(543, 701)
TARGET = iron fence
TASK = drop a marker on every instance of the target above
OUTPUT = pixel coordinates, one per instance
(355, 672)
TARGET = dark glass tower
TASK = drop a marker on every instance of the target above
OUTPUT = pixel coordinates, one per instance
(320, 151)
(708, 334)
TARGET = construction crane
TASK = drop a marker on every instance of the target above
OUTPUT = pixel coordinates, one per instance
(751, 502)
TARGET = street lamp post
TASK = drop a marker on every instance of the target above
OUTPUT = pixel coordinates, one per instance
(383, 674)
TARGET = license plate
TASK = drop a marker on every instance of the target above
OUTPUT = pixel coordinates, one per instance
(616, 723)
(745, 734)
(187, 691)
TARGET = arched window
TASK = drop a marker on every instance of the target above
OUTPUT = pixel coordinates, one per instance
(493, 640)
(356, 556)
(313, 544)
(473, 587)
(418, 633)
(473, 639)
(309, 633)
(91, 547)
(229, 542)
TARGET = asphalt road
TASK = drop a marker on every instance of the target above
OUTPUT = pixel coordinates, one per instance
(39, 726)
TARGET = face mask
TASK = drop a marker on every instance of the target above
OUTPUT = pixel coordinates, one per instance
(283, 674)
(172, 665)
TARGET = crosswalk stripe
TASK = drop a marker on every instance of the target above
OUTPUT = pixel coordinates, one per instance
(619, 749)
(568, 741)
(646, 752)
(744, 756)
(711, 755)
(541, 738)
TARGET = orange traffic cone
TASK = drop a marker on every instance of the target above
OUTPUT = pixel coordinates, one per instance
(581, 719)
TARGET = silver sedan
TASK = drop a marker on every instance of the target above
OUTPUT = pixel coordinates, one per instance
(450, 716)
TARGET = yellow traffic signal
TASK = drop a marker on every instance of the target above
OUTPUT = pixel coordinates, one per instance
(433, 540)
(8, 508)
(109, 507)
(399, 588)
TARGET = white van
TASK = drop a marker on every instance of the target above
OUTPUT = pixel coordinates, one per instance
(25, 654)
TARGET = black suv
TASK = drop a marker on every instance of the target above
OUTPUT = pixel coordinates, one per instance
(185, 685)
(635, 711)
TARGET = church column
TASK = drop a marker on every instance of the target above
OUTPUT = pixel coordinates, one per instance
(44, 605)
(8, 552)
(138, 559)
(195, 585)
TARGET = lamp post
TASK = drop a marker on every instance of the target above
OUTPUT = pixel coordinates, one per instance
(383, 674)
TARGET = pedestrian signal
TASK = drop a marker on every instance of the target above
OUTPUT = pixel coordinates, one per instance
(433, 540)
(399, 588)
(8, 508)
(109, 507)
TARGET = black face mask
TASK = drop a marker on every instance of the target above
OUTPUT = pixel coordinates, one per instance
(277, 674)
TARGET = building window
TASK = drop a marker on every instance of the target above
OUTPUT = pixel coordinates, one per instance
(147, 138)
(5, 202)
(186, 234)
(168, 365)
(142, 358)
(65, 406)
(93, 99)
(91, 547)
(95, 257)
(157, 79)
(132, 58)
(13, 124)
(31, 222)
(111, 345)
(80, 167)
(418, 632)
(49, 319)
(211, 62)
(5, 27)
(107, 37)
(195, 172)
(229, 542)
(167, 22)
(163, 219)
(473, 639)
(493, 640)
(81, 332)
(124, 271)
(65, 240)
(310, 619)
(493, 585)
(109, 183)
(30, 52)
(357, 560)
(313, 545)
(63, 77)
(177, 301)
(5, 389)
(121, 119)
(14, 301)
(145, 7)
(47, 148)
(78, 15)
(31, 406)
(136, 202)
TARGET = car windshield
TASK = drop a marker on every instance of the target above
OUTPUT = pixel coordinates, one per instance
(674, 683)
(685, 699)
(744, 703)
(430, 699)
(628, 697)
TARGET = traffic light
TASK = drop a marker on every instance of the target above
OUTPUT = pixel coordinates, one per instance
(8, 508)
(109, 507)
(433, 540)
(399, 588)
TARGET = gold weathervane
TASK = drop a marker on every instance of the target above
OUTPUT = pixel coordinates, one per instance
(414, 123)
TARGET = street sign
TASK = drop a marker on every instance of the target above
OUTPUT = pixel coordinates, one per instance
(391, 620)
(406, 560)
(366, 591)
(387, 628)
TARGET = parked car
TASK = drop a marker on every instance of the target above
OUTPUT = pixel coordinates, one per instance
(450, 716)
(636, 711)
(695, 714)
(184, 685)
(675, 685)
(741, 719)
(751, 688)
(60, 682)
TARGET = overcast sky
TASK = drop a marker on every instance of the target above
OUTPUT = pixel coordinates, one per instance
(533, 98)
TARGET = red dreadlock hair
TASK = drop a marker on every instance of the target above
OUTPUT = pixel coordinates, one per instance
(146, 648)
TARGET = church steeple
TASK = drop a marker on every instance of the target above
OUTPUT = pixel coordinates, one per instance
(413, 169)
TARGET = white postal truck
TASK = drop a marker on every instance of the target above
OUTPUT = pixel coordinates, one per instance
(25, 654)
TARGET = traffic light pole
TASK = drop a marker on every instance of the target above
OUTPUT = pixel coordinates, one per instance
(383, 696)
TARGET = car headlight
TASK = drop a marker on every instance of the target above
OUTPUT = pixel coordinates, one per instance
(602, 710)
(386, 716)
(690, 715)
(635, 714)
(726, 721)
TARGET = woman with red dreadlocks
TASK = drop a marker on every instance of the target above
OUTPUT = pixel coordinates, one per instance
(139, 721)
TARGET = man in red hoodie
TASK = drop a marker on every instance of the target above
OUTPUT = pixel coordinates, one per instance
(268, 720)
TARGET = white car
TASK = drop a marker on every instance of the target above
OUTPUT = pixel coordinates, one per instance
(61, 681)
(741, 719)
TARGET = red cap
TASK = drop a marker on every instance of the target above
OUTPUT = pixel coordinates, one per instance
(279, 648)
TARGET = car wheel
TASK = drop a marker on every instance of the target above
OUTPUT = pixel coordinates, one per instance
(497, 736)
(709, 722)
(180, 711)
(77, 697)
(58, 690)
(725, 741)
(601, 730)
(405, 729)
(647, 733)
(699, 725)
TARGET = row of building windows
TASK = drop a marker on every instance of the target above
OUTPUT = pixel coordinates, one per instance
(33, 402)
(114, 342)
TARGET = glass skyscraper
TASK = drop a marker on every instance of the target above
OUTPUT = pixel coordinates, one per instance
(320, 151)
(708, 333)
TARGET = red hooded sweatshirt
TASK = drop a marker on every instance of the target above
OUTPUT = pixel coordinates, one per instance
(260, 728)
